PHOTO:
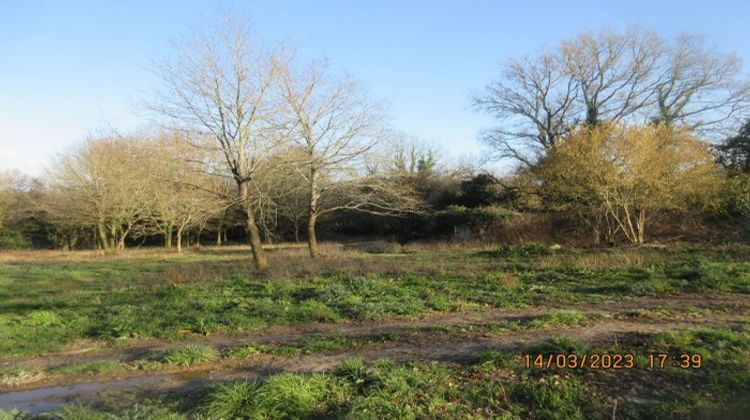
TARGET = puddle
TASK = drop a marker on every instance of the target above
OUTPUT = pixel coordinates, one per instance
(641, 400)
(47, 399)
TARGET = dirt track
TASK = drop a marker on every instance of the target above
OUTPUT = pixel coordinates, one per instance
(419, 343)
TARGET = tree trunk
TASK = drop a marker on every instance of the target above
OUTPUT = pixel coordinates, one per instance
(168, 237)
(312, 240)
(179, 239)
(113, 237)
(641, 223)
(296, 230)
(218, 235)
(121, 241)
(123, 234)
(102, 237)
(259, 257)
(73, 241)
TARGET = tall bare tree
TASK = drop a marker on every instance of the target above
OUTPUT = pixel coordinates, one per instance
(535, 100)
(629, 77)
(700, 88)
(220, 84)
(99, 184)
(614, 71)
(333, 125)
(179, 196)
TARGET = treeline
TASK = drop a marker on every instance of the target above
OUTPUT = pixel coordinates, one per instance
(618, 137)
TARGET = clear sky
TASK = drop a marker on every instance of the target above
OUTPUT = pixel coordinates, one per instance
(68, 68)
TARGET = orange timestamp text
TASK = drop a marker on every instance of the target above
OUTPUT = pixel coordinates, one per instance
(611, 361)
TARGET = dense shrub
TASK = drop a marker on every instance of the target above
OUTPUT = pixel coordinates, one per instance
(14, 238)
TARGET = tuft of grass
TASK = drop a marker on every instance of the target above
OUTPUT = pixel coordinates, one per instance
(559, 319)
(353, 370)
(18, 374)
(295, 396)
(529, 249)
(187, 356)
(234, 400)
(148, 409)
(14, 414)
(333, 343)
(713, 344)
(496, 359)
(557, 398)
(87, 368)
(43, 319)
(247, 351)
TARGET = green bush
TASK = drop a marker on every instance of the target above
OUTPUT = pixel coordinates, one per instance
(13, 238)
(480, 219)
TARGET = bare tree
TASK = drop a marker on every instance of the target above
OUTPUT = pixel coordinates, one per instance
(614, 71)
(220, 85)
(629, 77)
(179, 197)
(700, 88)
(334, 125)
(401, 154)
(285, 187)
(535, 101)
(100, 185)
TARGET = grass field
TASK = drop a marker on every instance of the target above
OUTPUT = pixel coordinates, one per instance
(376, 331)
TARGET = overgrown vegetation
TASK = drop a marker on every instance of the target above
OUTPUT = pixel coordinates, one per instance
(48, 306)
(494, 384)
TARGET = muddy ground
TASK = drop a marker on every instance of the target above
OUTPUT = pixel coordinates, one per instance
(459, 337)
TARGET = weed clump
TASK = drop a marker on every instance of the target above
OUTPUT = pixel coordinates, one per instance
(529, 249)
(559, 319)
(87, 368)
(557, 398)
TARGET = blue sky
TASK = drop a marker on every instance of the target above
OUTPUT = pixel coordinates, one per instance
(69, 68)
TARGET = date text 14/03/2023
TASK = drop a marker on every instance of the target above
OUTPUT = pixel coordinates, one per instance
(611, 361)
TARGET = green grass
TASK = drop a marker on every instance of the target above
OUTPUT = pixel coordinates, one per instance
(49, 305)
(494, 384)
(187, 356)
(558, 319)
(333, 343)
(190, 355)
(249, 350)
(46, 306)
(18, 374)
